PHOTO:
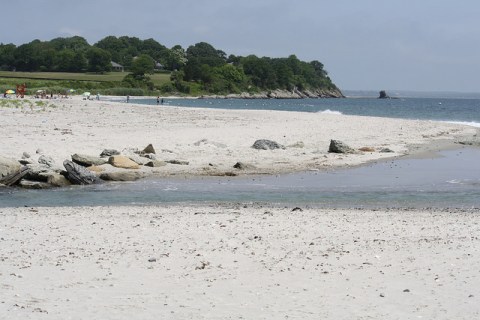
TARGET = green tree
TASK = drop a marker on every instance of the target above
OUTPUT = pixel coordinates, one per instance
(99, 60)
(142, 65)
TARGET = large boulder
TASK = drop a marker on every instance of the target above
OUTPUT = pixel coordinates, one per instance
(264, 144)
(8, 166)
(87, 161)
(123, 162)
(155, 163)
(337, 146)
(78, 174)
(14, 177)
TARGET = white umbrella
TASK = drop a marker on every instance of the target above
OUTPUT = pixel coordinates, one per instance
(86, 94)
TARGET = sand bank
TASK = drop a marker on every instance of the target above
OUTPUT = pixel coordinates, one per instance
(212, 140)
(238, 262)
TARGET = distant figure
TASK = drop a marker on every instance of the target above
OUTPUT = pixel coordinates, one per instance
(158, 101)
(128, 98)
(98, 96)
(162, 101)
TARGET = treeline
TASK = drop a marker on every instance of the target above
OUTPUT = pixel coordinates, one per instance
(199, 68)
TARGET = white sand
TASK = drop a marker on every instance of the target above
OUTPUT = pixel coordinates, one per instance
(238, 263)
(227, 262)
(88, 127)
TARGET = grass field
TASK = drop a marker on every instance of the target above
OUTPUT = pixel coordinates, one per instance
(157, 78)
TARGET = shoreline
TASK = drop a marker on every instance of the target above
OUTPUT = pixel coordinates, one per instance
(212, 141)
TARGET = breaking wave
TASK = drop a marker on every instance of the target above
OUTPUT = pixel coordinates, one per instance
(328, 111)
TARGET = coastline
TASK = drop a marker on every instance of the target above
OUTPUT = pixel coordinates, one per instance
(213, 141)
(232, 260)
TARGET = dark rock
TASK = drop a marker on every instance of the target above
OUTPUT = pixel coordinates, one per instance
(180, 162)
(87, 161)
(109, 153)
(243, 166)
(122, 176)
(149, 149)
(383, 95)
(297, 209)
(337, 146)
(264, 144)
(387, 150)
(78, 174)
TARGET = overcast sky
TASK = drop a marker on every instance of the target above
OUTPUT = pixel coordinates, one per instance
(423, 45)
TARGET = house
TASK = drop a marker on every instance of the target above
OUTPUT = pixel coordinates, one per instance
(117, 67)
(158, 66)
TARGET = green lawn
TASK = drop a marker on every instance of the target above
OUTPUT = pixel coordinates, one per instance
(157, 78)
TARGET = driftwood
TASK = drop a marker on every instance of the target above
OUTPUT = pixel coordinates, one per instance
(77, 174)
(13, 178)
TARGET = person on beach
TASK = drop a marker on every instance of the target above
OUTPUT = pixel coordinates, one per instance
(161, 101)
(158, 101)
(128, 98)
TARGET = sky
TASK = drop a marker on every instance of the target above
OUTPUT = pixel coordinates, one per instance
(419, 45)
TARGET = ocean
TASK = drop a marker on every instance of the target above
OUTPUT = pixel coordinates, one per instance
(450, 179)
(456, 110)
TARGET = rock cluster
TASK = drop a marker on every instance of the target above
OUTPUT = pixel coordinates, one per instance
(41, 171)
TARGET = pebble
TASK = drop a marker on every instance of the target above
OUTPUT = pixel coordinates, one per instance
(152, 260)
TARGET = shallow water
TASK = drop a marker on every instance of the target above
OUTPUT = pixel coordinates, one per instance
(450, 180)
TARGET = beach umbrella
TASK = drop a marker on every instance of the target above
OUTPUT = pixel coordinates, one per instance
(10, 91)
(86, 94)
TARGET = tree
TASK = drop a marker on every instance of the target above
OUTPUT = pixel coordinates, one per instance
(99, 60)
(142, 65)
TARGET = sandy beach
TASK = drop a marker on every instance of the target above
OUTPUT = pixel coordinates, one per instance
(212, 140)
(238, 262)
(231, 261)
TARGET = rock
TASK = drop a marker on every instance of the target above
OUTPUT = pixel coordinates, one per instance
(46, 160)
(297, 209)
(95, 169)
(180, 162)
(8, 166)
(337, 146)
(264, 144)
(39, 151)
(14, 177)
(123, 162)
(138, 159)
(25, 155)
(243, 166)
(39, 172)
(386, 150)
(367, 149)
(149, 149)
(87, 161)
(109, 153)
(58, 180)
(28, 184)
(155, 164)
(78, 174)
(383, 95)
(122, 176)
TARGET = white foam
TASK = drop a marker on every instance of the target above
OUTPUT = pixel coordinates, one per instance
(467, 123)
(328, 111)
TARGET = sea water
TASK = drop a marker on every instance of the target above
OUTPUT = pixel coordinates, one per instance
(450, 179)
(456, 110)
